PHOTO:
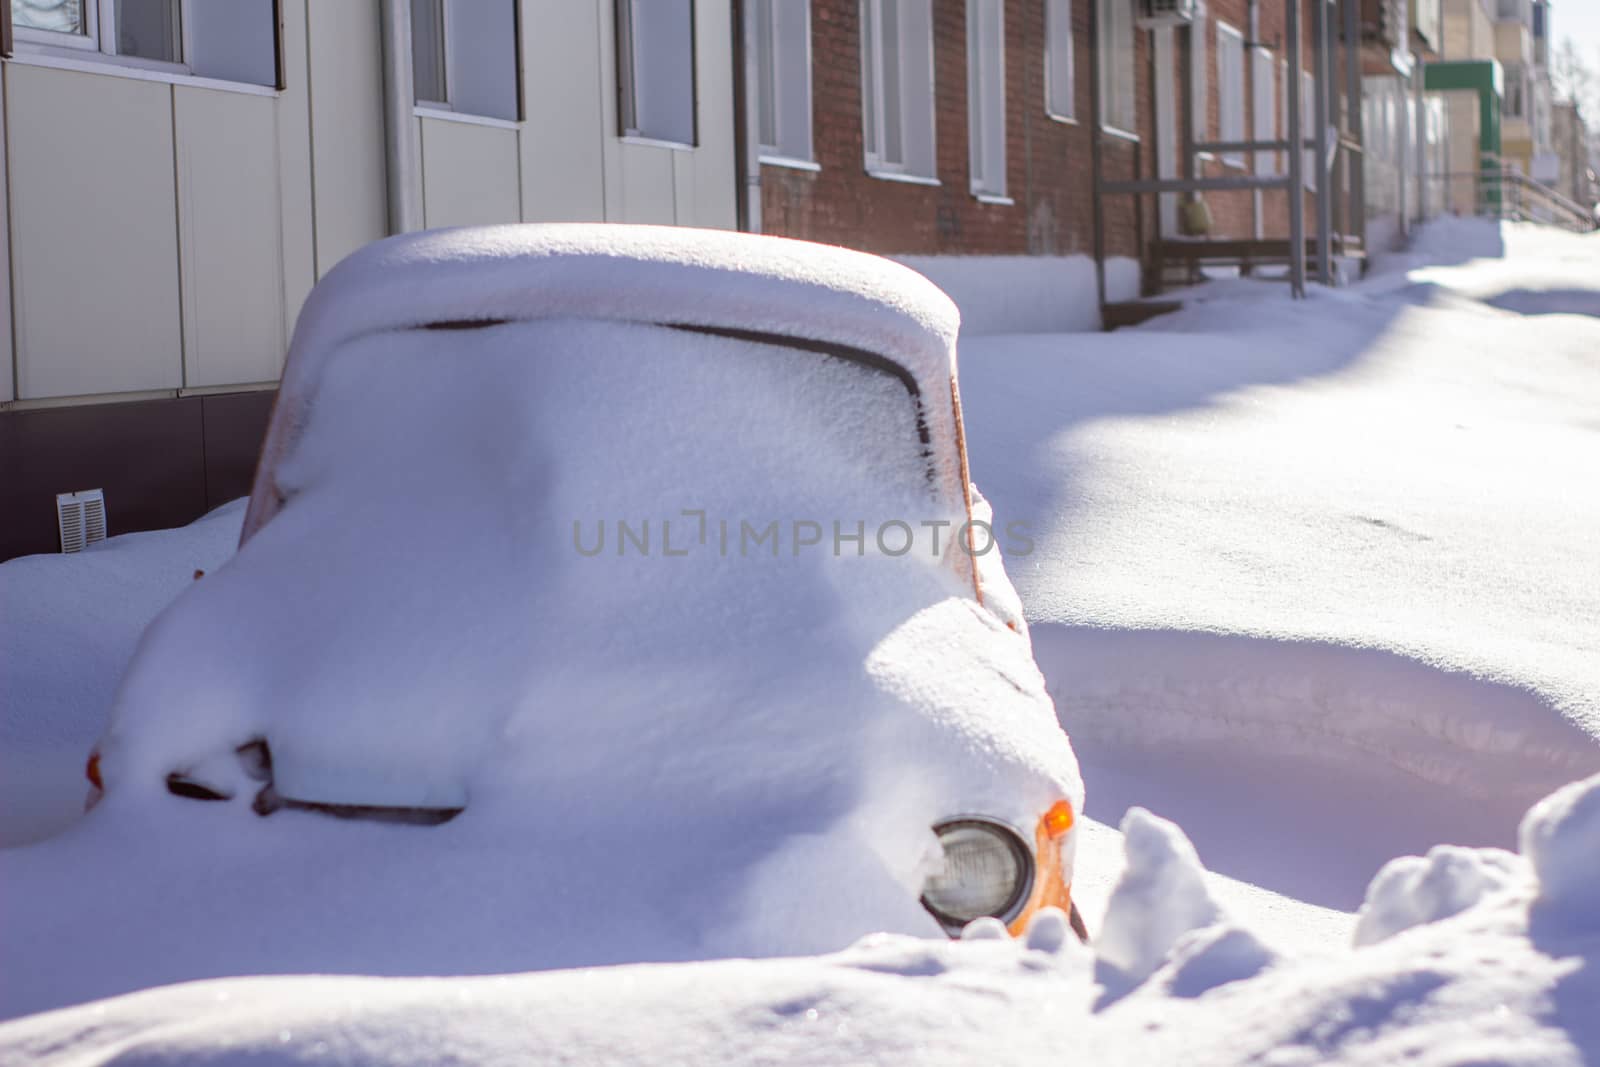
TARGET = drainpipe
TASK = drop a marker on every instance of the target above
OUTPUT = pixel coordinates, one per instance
(399, 120)
(747, 124)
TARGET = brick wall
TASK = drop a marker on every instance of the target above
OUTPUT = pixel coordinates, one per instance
(1048, 161)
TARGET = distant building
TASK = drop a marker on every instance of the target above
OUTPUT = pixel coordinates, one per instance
(1574, 147)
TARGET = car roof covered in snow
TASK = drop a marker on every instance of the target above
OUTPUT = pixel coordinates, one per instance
(649, 274)
(716, 280)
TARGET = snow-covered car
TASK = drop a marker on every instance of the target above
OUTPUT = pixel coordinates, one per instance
(640, 564)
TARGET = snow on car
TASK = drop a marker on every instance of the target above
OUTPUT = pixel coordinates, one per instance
(592, 576)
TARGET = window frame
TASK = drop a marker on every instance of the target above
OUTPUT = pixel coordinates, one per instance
(1312, 130)
(981, 184)
(447, 108)
(1230, 45)
(95, 49)
(1283, 113)
(1053, 10)
(627, 97)
(1200, 76)
(445, 64)
(1113, 74)
(771, 91)
(874, 109)
(88, 41)
(1265, 118)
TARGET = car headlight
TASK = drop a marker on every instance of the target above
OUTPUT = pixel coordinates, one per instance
(987, 871)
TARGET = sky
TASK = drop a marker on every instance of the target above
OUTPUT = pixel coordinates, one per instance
(1580, 20)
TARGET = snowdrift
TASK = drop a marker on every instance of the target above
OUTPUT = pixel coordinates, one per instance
(1464, 958)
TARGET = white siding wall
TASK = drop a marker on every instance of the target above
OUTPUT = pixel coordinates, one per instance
(164, 235)
(565, 98)
(650, 183)
(470, 174)
(8, 363)
(231, 260)
(94, 232)
(347, 140)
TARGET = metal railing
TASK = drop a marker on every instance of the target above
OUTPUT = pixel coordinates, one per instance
(1505, 194)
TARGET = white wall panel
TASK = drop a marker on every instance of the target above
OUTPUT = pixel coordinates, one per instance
(709, 198)
(293, 115)
(648, 183)
(94, 232)
(563, 139)
(230, 237)
(648, 189)
(470, 174)
(347, 127)
(7, 359)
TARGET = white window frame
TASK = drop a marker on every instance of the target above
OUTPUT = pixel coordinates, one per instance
(1283, 112)
(783, 66)
(1311, 129)
(1264, 87)
(87, 41)
(95, 49)
(1230, 91)
(1119, 97)
(628, 127)
(426, 103)
(447, 108)
(1200, 76)
(875, 114)
(985, 113)
(1060, 62)
(100, 25)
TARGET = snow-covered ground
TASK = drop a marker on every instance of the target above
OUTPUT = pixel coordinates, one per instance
(1318, 583)
(69, 625)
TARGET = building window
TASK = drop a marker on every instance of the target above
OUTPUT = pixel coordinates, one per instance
(1266, 109)
(1199, 73)
(1283, 112)
(1516, 103)
(52, 16)
(655, 70)
(1314, 130)
(1230, 89)
(986, 96)
(236, 41)
(1119, 109)
(1060, 100)
(897, 87)
(464, 57)
(783, 66)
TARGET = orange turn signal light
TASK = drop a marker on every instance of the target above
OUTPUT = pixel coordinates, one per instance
(1058, 820)
(92, 771)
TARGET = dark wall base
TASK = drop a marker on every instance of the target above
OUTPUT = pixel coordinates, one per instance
(161, 462)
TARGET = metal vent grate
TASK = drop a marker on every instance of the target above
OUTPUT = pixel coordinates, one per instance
(82, 518)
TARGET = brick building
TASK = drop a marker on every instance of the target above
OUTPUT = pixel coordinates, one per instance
(1226, 70)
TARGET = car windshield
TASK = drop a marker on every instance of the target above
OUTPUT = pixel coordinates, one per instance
(590, 421)
(476, 517)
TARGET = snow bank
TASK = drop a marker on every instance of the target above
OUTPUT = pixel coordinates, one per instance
(1561, 838)
(71, 622)
(1027, 294)
(1161, 896)
(1352, 535)
(1414, 890)
(1497, 982)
